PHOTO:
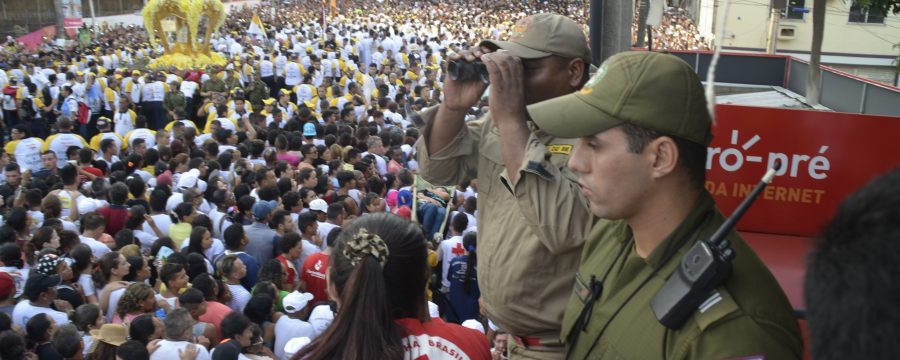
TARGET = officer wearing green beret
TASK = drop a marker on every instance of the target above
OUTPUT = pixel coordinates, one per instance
(644, 128)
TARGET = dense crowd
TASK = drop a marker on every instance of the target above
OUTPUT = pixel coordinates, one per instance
(183, 213)
(194, 213)
(676, 31)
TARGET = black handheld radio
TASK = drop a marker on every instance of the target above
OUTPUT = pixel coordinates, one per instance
(705, 266)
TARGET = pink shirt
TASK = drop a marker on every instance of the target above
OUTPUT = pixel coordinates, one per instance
(215, 312)
(291, 159)
(128, 318)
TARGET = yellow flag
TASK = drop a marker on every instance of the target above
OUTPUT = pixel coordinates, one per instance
(256, 26)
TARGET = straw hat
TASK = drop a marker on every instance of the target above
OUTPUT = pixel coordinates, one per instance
(113, 334)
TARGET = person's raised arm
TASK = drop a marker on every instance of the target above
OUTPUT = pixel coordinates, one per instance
(459, 97)
(507, 107)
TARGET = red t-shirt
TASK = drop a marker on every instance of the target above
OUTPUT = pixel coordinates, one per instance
(437, 339)
(115, 218)
(292, 273)
(95, 171)
(313, 274)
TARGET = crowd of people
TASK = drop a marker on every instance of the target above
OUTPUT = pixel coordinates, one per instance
(317, 196)
(676, 31)
(197, 211)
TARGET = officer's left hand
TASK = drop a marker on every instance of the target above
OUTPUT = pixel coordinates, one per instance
(507, 98)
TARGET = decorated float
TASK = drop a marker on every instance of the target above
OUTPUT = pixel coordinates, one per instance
(184, 28)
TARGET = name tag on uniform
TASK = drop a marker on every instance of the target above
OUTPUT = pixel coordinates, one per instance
(564, 149)
(581, 290)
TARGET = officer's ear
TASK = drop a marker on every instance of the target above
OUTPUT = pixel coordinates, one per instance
(577, 70)
(663, 153)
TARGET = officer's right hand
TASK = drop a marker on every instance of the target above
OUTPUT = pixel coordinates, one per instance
(462, 95)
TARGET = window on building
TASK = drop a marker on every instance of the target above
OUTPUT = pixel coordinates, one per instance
(795, 9)
(860, 15)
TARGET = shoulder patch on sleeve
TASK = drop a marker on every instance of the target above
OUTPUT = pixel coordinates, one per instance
(716, 307)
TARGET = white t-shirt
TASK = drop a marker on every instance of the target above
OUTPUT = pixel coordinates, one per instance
(175, 199)
(28, 154)
(293, 75)
(355, 194)
(188, 88)
(217, 248)
(19, 276)
(320, 318)
(163, 222)
(200, 139)
(170, 300)
(87, 285)
(219, 222)
(169, 350)
(113, 303)
(88, 340)
(59, 143)
(146, 239)
(65, 200)
(308, 249)
(287, 329)
(266, 68)
(37, 219)
(380, 163)
(98, 248)
(24, 311)
(239, 297)
(68, 225)
(450, 249)
(324, 229)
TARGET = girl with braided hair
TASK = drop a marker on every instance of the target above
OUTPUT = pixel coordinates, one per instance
(139, 298)
(377, 276)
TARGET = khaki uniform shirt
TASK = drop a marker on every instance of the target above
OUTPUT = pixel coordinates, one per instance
(214, 84)
(530, 233)
(173, 100)
(259, 93)
(750, 316)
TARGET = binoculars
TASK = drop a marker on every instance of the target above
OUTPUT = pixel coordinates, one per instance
(461, 70)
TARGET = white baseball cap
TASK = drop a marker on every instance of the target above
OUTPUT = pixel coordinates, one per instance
(318, 205)
(296, 301)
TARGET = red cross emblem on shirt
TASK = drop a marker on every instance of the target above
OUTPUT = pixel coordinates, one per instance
(458, 250)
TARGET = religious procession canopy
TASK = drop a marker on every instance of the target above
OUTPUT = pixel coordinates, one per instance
(183, 28)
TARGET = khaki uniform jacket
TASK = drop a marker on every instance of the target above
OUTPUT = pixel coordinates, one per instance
(173, 100)
(750, 316)
(214, 84)
(530, 233)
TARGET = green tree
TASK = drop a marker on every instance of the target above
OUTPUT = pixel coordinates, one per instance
(880, 6)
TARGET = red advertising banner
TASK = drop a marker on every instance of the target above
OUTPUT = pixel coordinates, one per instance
(35, 39)
(72, 23)
(825, 156)
(71, 10)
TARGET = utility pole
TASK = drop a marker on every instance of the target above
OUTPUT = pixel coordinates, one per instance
(93, 15)
(643, 8)
(610, 28)
(774, 19)
(60, 24)
(814, 74)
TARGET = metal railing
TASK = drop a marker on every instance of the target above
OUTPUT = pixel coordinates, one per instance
(839, 91)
